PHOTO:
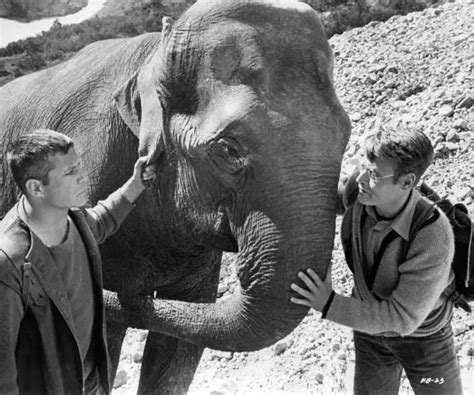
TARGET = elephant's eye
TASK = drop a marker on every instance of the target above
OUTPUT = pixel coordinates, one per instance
(228, 154)
(228, 146)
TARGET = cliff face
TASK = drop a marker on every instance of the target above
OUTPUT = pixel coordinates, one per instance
(35, 9)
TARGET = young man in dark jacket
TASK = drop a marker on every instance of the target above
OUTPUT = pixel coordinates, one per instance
(52, 327)
(399, 311)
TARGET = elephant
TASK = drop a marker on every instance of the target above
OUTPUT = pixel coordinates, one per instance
(235, 105)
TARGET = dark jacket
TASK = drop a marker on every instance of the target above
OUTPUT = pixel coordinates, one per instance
(39, 352)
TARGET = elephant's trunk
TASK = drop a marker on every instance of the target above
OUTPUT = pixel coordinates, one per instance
(273, 247)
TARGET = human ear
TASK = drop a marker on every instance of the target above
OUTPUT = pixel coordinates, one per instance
(408, 181)
(34, 187)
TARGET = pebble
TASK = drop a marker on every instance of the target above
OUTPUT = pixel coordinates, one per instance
(466, 102)
(446, 110)
(121, 378)
(357, 116)
(460, 124)
(282, 346)
(319, 378)
(452, 136)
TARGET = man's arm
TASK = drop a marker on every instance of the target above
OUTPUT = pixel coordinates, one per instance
(423, 277)
(106, 217)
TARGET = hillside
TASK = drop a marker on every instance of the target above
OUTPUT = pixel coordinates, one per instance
(127, 18)
(414, 69)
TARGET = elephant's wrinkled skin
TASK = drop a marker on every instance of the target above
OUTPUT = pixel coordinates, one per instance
(235, 104)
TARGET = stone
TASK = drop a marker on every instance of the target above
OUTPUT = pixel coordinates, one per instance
(319, 378)
(371, 78)
(138, 357)
(282, 346)
(452, 136)
(222, 288)
(460, 124)
(121, 378)
(341, 356)
(466, 102)
(451, 146)
(356, 116)
(225, 388)
(446, 110)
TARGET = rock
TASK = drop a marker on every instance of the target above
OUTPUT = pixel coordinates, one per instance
(282, 346)
(319, 378)
(222, 288)
(341, 356)
(451, 146)
(225, 388)
(467, 101)
(460, 124)
(138, 357)
(121, 378)
(371, 79)
(446, 110)
(356, 116)
(467, 136)
(452, 136)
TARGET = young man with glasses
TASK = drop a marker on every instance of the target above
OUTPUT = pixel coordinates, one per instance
(398, 309)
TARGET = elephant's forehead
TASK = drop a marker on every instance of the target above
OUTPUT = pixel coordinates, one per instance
(232, 46)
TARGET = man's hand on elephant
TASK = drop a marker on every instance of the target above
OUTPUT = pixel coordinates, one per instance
(144, 173)
(317, 292)
(141, 173)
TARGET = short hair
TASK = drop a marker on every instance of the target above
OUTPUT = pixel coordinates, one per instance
(410, 149)
(28, 155)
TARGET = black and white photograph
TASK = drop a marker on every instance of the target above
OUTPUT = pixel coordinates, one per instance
(236, 197)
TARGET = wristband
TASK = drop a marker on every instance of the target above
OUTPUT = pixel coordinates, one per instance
(328, 304)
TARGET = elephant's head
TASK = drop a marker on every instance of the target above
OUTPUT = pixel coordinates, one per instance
(239, 101)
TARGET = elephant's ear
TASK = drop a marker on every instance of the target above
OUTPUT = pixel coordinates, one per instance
(127, 99)
(141, 101)
(143, 111)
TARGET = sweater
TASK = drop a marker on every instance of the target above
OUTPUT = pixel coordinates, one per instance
(407, 294)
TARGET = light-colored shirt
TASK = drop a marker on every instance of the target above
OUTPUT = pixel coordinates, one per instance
(375, 229)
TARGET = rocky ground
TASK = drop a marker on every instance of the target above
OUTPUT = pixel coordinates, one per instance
(417, 70)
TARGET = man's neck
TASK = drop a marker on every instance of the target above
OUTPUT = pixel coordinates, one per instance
(48, 223)
(392, 209)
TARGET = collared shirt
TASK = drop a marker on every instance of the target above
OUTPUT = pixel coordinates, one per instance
(375, 229)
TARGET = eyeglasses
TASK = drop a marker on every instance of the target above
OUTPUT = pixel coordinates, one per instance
(363, 168)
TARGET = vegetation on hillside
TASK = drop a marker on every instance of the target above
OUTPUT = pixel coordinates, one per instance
(61, 41)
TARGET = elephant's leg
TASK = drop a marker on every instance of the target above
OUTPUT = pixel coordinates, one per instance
(168, 365)
(115, 336)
